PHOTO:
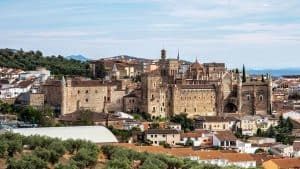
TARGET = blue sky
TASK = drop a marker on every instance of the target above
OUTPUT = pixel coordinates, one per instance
(257, 33)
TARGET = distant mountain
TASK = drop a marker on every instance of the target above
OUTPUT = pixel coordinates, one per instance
(126, 57)
(78, 57)
(275, 72)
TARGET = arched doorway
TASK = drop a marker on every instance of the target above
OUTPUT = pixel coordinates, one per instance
(230, 108)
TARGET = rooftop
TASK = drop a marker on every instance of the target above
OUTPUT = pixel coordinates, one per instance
(287, 163)
(162, 131)
(225, 135)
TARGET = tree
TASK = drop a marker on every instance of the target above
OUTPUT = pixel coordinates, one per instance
(86, 117)
(271, 132)
(244, 78)
(153, 163)
(3, 149)
(42, 153)
(259, 150)
(28, 161)
(100, 71)
(289, 125)
(13, 147)
(187, 124)
(84, 158)
(189, 142)
(259, 132)
(67, 166)
(118, 163)
(58, 147)
(48, 118)
(237, 71)
(154, 125)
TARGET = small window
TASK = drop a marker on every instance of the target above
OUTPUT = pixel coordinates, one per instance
(248, 97)
(78, 91)
(86, 91)
(96, 91)
(164, 135)
(86, 100)
(261, 98)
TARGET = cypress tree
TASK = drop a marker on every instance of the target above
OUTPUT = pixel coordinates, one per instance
(244, 74)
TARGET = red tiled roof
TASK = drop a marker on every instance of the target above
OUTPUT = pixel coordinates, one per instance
(190, 134)
(287, 163)
(225, 136)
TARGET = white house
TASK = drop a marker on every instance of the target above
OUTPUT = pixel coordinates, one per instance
(261, 140)
(194, 137)
(292, 115)
(41, 74)
(245, 147)
(224, 139)
(242, 160)
(157, 136)
(16, 90)
(281, 149)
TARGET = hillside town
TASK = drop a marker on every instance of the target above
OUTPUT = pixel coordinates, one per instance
(191, 110)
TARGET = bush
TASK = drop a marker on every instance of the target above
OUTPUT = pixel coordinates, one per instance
(13, 147)
(67, 166)
(58, 147)
(3, 149)
(85, 157)
(118, 163)
(28, 161)
(153, 163)
(42, 153)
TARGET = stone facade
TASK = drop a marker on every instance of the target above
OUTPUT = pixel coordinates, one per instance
(94, 95)
(201, 89)
(36, 99)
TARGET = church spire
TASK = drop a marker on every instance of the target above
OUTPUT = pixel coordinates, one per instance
(178, 55)
(163, 54)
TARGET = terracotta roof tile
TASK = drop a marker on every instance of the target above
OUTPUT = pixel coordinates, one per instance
(162, 131)
(225, 135)
(190, 134)
(287, 163)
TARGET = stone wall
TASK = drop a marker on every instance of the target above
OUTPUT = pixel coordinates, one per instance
(195, 102)
(36, 99)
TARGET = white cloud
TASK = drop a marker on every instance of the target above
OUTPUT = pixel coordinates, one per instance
(218, 9)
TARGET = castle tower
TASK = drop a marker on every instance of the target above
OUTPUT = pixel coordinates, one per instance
(239, 92)
(115, 72)
(63, 105)
(270, 93)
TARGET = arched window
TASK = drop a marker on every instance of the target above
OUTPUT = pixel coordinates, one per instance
(248, 97)
(261, 98)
